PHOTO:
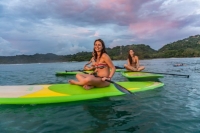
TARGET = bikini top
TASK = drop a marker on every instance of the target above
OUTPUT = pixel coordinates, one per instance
(101, 65)
(133, 61)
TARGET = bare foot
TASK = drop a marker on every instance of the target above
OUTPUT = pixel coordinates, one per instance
(88, 87)
(134, 69)
(72, 82)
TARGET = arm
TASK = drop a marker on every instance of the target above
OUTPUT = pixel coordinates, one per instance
(89, 62)
(128, 62)
(137, 60)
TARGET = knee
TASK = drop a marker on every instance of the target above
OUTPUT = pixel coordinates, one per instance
(125, 65)
(87, 80)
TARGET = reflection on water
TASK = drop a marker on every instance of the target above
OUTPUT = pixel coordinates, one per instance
(174, 107)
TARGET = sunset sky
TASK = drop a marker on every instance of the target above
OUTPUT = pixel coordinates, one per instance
(66, 27)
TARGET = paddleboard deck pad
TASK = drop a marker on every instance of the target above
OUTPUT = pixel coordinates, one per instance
(57, 93)
(131, 76)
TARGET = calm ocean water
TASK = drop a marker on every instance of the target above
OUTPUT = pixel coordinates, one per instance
(174, 108)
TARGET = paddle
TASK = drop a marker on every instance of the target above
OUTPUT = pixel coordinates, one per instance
(117, 67)
(74, 70)
(119, 87)
(158, 72)
(170, 74)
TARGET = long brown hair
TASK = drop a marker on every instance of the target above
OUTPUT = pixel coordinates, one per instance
(129, 57)
(102, 51)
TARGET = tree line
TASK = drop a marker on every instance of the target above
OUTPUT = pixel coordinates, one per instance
(188, 47)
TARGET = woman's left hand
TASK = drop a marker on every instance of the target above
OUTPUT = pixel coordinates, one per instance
(104, 78)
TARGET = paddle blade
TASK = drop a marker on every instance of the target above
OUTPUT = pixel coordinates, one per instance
(119, 87)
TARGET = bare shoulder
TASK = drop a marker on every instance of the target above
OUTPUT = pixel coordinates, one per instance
(104, 55)
(136, 57)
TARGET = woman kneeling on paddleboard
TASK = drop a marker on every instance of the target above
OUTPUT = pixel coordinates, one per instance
(104, 69)
(133, 62)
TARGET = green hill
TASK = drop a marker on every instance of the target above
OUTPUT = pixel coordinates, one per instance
(188, 47)
(121, 52)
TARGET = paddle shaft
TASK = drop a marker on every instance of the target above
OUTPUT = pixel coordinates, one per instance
(73, 70)
(159, 72)
(170, 74)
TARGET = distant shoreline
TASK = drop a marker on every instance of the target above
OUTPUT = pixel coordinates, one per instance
(186, 48)
(86, 61)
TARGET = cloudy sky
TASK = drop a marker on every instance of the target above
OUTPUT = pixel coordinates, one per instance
(66, 27)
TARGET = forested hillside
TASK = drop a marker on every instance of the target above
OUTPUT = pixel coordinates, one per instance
(188, 47)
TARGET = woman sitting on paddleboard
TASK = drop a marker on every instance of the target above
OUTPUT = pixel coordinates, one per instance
(104, 69)
(133, 62)
(92, 62)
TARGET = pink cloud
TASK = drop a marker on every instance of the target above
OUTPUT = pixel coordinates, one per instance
(149, 27)
(121, 5)
(120, 12)
(116, 5)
